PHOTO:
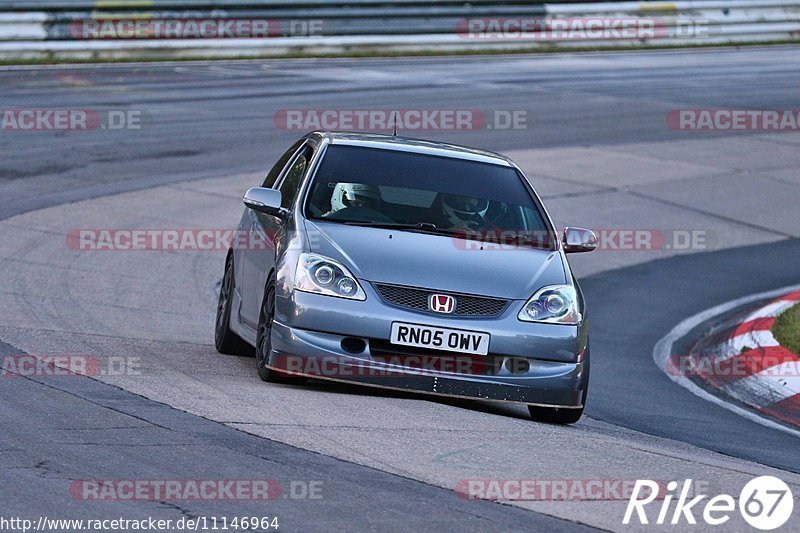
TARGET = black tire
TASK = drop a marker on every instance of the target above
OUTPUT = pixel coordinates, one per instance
(553, 415)
(264, 340)
(225, 340)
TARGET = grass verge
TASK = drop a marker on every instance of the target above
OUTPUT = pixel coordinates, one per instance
(787, 329)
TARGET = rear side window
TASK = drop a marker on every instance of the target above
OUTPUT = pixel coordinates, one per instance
(294, 176)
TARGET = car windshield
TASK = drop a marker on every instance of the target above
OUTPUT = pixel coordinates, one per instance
(419, 192)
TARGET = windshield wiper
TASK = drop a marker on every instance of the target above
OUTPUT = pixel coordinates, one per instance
(422, 227)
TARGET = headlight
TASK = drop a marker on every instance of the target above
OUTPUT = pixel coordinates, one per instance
(555, 304)
(317, 273)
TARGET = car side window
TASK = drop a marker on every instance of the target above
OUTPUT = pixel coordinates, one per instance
(291, 181)
(275, 172)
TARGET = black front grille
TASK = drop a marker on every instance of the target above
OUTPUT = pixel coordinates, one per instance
(417, 299)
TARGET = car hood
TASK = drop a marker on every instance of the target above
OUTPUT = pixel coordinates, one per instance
(435, 261)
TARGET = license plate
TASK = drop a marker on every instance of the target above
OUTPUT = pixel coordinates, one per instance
(451, 340)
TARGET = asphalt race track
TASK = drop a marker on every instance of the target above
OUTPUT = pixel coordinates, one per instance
(597, 146)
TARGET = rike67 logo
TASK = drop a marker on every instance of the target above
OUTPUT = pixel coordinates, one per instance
(765, 503)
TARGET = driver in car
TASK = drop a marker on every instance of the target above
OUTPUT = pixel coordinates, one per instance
(354, 195)
(464, 212)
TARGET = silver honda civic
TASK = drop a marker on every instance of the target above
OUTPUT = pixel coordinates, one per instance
(410, 265)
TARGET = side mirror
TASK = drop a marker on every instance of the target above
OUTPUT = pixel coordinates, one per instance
(579, 240)
(264, 200)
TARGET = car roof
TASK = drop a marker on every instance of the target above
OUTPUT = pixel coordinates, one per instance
(407, 144)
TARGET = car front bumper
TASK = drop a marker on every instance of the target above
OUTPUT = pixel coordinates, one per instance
(309, 330)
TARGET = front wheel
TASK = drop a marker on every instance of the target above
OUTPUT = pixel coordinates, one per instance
(264, 339)
(225, 340)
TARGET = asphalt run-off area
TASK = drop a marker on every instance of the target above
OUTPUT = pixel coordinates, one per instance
(689, 217)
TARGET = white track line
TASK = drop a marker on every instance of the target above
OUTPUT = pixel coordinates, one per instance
(663, 351)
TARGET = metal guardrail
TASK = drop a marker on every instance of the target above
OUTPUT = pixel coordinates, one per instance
(53, 26)
(52, 5)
